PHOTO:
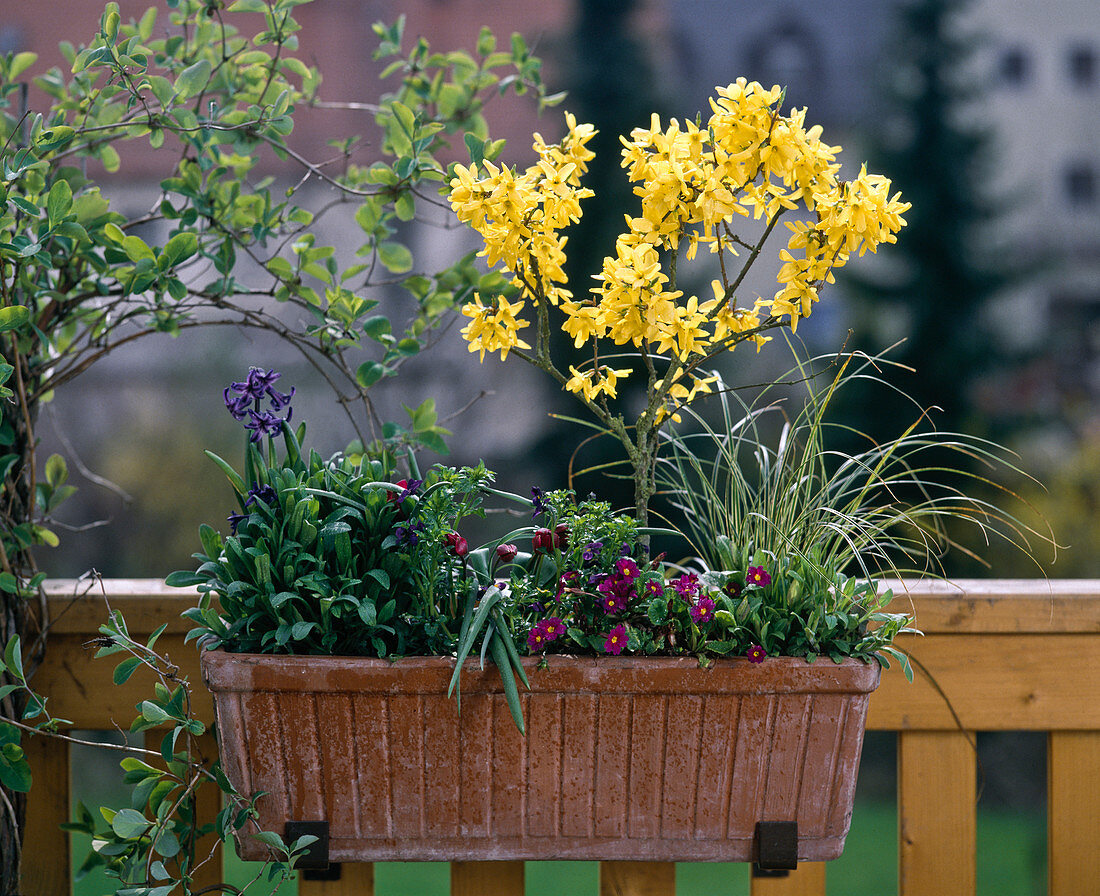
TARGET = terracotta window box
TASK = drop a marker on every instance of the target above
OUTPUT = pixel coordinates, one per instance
(624, 758)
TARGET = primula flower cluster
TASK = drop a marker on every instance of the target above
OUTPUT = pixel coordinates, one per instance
(747, 161)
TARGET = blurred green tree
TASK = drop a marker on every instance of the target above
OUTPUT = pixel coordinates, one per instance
(935, 286)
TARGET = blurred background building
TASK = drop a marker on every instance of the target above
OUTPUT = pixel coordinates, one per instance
(984, 113)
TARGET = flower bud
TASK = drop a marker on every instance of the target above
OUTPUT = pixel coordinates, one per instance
(457, 544)
(561, 536)
(542, 540)
(506, 553)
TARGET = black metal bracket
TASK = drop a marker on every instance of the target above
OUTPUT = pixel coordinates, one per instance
(775, 848)
(314, 862)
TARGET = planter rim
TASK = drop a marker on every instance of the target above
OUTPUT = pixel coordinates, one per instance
(227, 672)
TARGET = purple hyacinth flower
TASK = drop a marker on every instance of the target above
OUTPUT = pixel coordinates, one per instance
(264, 423)
(241, 399)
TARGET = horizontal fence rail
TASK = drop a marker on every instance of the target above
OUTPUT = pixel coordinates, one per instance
(996, 655)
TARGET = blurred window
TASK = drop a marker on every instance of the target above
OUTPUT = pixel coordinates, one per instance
(12, 39)
(1083, 66)
(1081, 184)
(1015, 67)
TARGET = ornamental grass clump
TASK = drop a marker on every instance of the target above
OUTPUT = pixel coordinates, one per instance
(795, 534)
(717, 188)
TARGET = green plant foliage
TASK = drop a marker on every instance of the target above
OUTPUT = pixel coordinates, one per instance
(331, 556)
(795, 532)
(216, 89)
(153, 846)
(78, 279)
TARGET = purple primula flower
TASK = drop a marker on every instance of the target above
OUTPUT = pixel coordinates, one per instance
(702, 610)
(687, 585)
(545, 632)
(553, 627)
(756, 654)
(612, 602)
(654, 588)
(566, 579)
(620, 587)
(627, 569)
(757, 575)
(536, 638)
(616, 640)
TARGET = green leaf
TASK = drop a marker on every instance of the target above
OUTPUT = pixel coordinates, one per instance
(511, 692)
(129, 823)
(15, 773)
(167, 844)
(301, 629)
(183, 578)
(179, 248)
(193, 79)
(377, 326)
(232, 475)
(368, 612)
(13, 658)
(59, 202)
(110, 158)
(405, 206)
(395, 257)
(125, 669)
(381, 577)
(136, 249)
(369, 373)
(20, 63)
(57, 471)
(13, 316)
(152, 712)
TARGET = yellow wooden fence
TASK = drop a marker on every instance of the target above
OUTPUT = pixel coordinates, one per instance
(1004, 655)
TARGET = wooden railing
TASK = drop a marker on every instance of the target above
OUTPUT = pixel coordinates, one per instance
(996, 655)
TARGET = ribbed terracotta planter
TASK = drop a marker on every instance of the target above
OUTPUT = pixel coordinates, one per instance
(624, 758)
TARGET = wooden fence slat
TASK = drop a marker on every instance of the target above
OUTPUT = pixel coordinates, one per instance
(487, 879)
(1073, 811)
(998, 682)
(806, 880)
(637, 879)
(81, 688)
(937, 827)
(46, 869)
(355, 880)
